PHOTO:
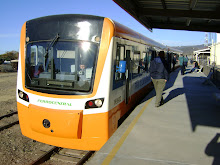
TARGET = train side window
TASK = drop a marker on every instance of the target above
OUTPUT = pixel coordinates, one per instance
(136, 62)
(150, 58)
(153, 54)
(120, 54)
(144, 62)
(150, 55)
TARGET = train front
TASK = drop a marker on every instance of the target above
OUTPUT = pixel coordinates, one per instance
(59, 98)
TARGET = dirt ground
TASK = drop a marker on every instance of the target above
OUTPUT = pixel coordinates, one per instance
(7, 93)
(14, 147)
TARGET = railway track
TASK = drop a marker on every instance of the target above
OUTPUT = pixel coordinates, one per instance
(50, 154)
(57, 155)
(11, 123)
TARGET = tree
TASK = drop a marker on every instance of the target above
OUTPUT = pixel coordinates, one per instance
(8, 56)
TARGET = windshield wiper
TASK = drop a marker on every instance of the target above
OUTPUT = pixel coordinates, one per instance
(52, 43)
(28, 76)
(49, 46)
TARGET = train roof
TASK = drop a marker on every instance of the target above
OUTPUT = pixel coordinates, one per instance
(127, 33)
(120, 30)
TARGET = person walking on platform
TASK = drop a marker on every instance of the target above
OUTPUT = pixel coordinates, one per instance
(182, 61)
(159, 76)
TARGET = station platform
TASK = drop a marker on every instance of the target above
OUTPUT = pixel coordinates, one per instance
(183, 131)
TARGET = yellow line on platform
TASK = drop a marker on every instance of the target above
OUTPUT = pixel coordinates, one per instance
(112, 154)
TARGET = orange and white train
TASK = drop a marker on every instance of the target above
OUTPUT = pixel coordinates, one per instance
(78, 75)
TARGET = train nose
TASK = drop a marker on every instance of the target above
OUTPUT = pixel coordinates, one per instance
(56, 123)
(46, 123)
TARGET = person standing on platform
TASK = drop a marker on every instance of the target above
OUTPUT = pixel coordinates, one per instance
(159, 76)
(182, 61)
(186, 62)
(174, 62)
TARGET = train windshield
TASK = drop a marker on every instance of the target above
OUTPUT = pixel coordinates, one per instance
(61, 65)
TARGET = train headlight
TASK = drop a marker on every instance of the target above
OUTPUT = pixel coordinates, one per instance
(97, 103)
(23, 95)
(20, 94)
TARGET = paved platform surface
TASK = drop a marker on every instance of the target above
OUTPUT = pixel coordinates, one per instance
(184, 131)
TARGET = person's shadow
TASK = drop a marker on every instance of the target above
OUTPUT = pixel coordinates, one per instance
(213, 149)
(174, 93)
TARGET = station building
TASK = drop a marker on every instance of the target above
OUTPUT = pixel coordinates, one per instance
(215, 52)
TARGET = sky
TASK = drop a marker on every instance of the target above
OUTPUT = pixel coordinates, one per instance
(14, 13)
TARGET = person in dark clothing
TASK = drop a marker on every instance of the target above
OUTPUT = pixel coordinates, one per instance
(182, 61)
(174, 62)
(186, 61)
(196, 66)
(159, 76)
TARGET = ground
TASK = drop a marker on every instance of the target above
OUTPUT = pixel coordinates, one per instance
(14, 147)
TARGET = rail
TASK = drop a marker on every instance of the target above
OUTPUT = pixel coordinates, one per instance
(78, 157)
(10, 124)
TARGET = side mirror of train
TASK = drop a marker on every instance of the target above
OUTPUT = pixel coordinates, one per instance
(122, 67)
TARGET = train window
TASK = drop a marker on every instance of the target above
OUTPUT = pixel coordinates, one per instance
(65, 65)
(151, 55)
(36, 54)
(154, 54)
(144, 62)
(40, 55)
(33, 55)
(149, 59)
(120, 55)
(135, 63)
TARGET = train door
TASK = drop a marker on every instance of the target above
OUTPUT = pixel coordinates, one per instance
(128, 54)
(123, 53)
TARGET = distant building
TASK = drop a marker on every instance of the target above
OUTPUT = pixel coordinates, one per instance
(202, 56)
(14, 64)
(7, 62)
(215, 52)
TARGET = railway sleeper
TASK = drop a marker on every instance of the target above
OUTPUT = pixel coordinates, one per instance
(65, 159)
(69, 155)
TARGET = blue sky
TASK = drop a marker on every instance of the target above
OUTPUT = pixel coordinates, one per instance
(14, 13)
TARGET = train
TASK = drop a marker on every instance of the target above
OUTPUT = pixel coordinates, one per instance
(78, 75)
